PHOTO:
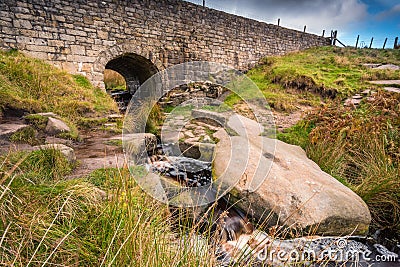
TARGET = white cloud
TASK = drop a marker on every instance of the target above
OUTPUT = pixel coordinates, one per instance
(316, 14)
(332, 15)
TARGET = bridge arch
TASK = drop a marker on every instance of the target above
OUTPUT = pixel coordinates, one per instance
(135, 63)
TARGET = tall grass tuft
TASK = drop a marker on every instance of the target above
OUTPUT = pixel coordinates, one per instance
(361, 148)
(104, 219)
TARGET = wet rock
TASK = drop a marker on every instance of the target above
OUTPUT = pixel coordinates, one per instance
(189, 172)
(55, 126)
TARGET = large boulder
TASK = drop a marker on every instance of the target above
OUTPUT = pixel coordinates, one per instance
(276, 184)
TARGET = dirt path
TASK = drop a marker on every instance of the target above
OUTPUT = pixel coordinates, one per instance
(98, 150)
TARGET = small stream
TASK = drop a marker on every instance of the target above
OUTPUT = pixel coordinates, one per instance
(192, 172)
(187, 171)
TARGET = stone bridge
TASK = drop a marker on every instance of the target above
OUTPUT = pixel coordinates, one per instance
(137, 38)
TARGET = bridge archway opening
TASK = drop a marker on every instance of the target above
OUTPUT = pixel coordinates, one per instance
(135, 70)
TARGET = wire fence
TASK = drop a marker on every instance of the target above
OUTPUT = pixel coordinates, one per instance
(363, 41)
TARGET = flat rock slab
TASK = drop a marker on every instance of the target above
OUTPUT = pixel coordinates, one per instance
(372, 65)
(206, 114)
(387, 67)
(48, 115)
(88, 165)
(386, 82)
(8, 129)
(392, 89)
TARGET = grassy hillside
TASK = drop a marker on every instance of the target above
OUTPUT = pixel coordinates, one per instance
(31, 85)
(360, 147)
(319, 74)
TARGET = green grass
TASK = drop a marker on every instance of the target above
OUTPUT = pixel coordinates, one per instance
(297, 134)
(26, 135)
(39, 122)
(103, 219)
(114, 142)
(34, 86)
(113, 80)
(318, 74)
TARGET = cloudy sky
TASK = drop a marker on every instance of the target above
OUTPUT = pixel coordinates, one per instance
(367, 18)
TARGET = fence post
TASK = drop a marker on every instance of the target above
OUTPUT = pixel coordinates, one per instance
(305, 26)
(384, 43)
(370, 44)
(334, 37)
(358, 38)
(323, 33)
(279, 21)
(395, 42)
